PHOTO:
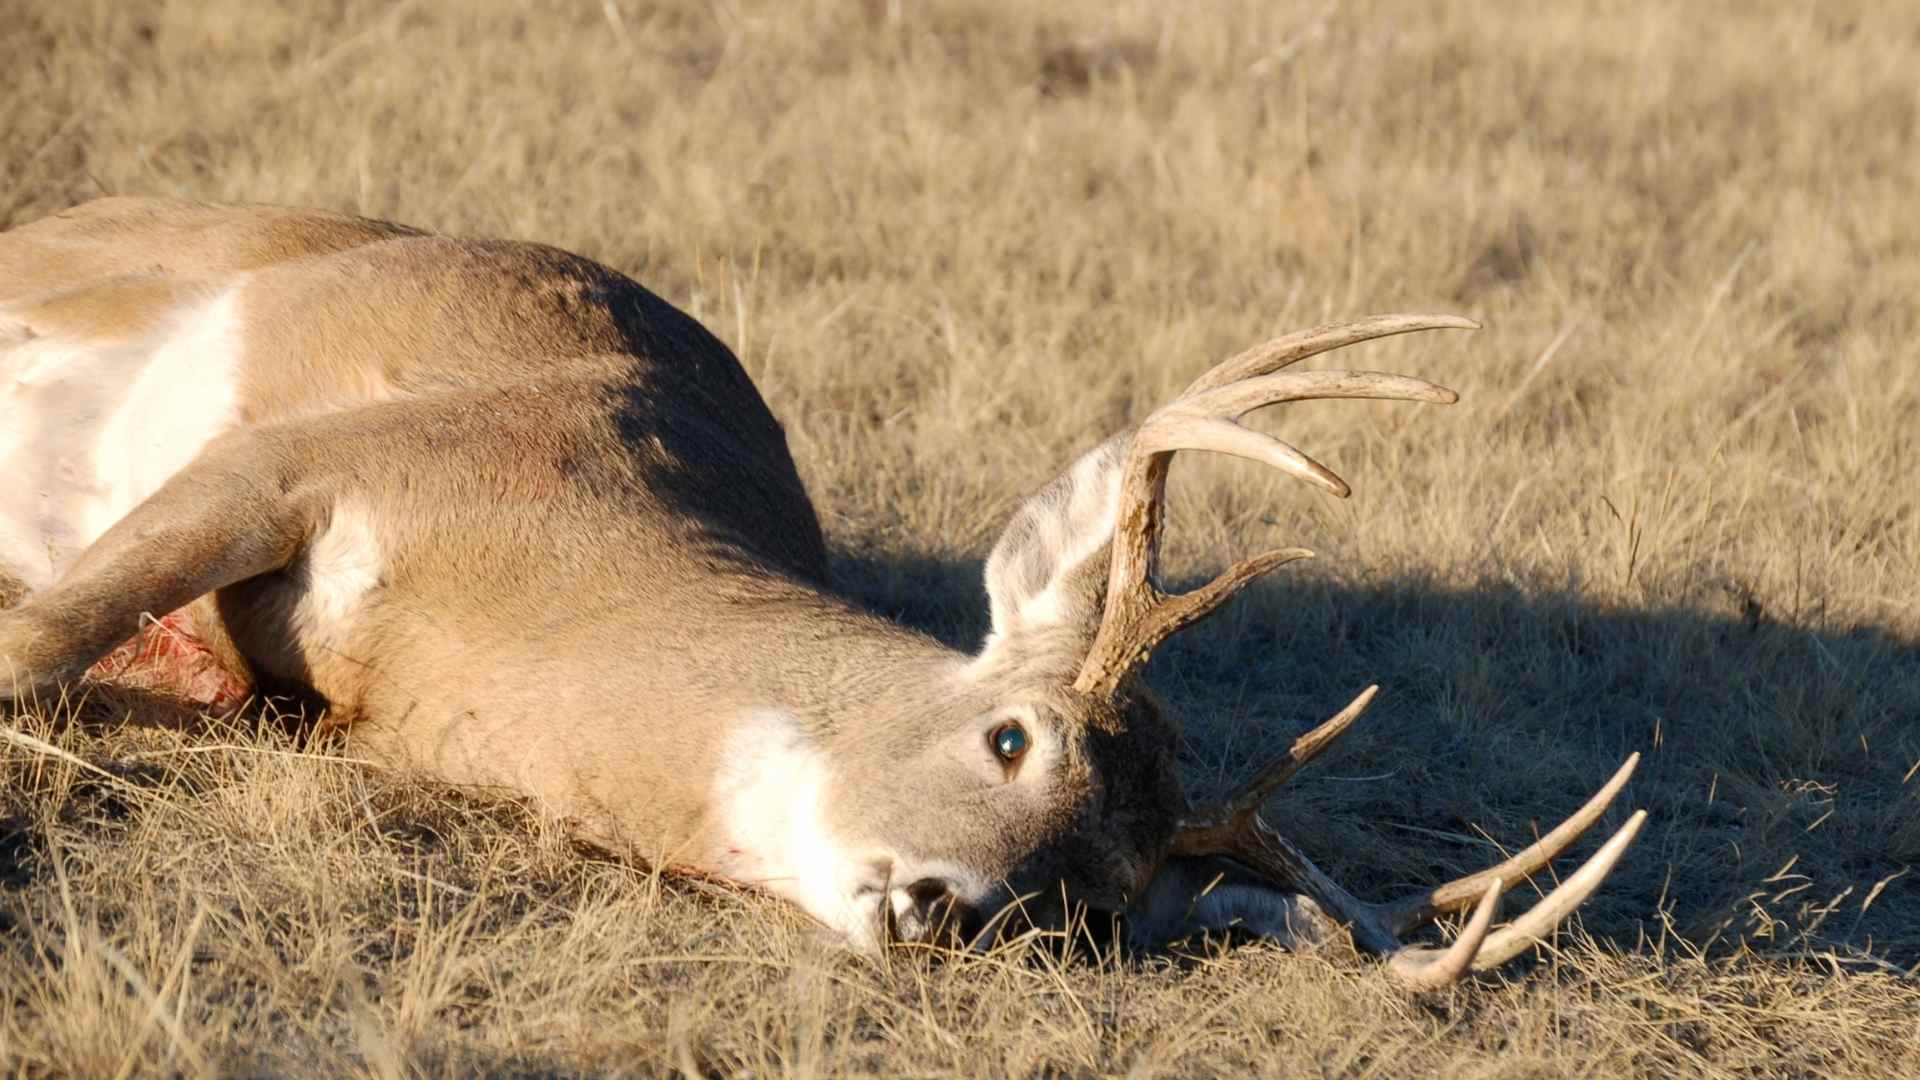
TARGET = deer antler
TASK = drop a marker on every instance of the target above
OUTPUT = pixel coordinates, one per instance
(1137, 615)
(1235, 829)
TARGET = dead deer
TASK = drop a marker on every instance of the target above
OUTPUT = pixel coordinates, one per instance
(521, 523)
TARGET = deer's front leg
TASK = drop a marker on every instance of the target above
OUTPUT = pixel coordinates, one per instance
(232, 514)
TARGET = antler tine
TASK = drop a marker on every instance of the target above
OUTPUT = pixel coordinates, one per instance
(1426, 969)
(1250, 796)
(1478, 950)
(1293, 348)
(1240, 398)
(1226, 437)
(1516, 937)
(1160, 616)
(1137, 616)
(1207, 420)
(1423, 908)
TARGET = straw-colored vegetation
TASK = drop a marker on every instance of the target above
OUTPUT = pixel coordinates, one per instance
(1677, 510)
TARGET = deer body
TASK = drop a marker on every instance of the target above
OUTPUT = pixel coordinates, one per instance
(524, 524)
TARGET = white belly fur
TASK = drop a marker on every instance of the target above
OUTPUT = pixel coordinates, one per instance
(89, 430)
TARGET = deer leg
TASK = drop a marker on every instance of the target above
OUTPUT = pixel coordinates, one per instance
(226, 517)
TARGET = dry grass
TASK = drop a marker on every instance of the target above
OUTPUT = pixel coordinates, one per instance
(957, 242)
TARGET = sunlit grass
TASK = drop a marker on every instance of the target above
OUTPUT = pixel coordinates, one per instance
(956, 244)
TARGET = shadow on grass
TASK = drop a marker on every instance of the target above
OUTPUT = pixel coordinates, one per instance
(1781, 764)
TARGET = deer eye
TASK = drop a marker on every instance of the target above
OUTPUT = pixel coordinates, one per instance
(1009, 742)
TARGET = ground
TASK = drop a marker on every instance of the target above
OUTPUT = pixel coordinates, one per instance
(957, 243)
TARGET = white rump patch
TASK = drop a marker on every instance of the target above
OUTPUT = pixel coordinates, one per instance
(771, 790)
(341, 566)
(88, 430)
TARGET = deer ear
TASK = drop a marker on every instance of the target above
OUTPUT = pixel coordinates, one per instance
(1049, 571)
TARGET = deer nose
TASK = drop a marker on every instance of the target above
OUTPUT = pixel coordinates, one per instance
(927, 892)
(928, 908)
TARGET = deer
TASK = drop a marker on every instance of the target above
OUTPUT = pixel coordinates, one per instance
(519, 523)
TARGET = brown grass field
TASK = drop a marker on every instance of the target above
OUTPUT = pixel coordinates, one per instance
(958, 242)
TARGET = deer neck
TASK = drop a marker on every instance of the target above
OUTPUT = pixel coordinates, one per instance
(838, 671)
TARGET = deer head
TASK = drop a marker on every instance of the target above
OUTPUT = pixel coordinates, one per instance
(1044, 767)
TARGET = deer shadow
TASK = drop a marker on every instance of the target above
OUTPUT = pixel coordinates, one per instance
(1780, 771)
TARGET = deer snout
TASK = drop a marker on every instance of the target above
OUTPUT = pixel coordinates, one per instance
(931, 909)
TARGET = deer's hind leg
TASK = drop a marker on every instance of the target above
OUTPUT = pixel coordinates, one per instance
(232, 514)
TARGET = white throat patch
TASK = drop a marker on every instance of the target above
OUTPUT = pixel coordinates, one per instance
(772, 788)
